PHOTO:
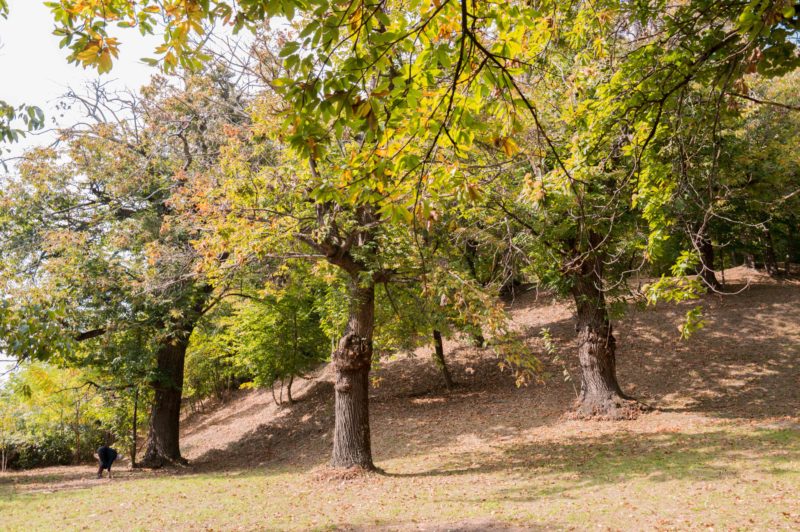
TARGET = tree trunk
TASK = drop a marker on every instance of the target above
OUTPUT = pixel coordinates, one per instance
(274, 398)
(352, 359)
(770, 259)
(77, 458)
(440, 361)
(790, 245)
(134, 428)
(289, 390)
(706, 273)
(478, 339)
(600, 394)
(163, 439)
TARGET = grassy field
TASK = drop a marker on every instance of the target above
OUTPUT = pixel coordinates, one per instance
(725, 478)
(722, 451)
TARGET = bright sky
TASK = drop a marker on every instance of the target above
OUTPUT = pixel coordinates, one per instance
(34, 70)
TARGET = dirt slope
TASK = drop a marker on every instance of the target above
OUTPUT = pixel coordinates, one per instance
(744, 364)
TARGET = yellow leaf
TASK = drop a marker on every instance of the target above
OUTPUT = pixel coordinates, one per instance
(510, 147)
(363, 109)
(104, 62)
(355, 19)
(89, 55)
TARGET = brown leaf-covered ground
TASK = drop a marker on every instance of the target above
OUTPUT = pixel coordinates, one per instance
(720, 450)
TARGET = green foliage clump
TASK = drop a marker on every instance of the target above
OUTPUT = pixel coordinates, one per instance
(58, 416)
(260, 340)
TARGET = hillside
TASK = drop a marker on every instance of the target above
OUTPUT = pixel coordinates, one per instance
(721, 448)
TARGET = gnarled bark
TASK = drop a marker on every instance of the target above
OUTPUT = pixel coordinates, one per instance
(600, 395)
(352, 360)
(163, 439)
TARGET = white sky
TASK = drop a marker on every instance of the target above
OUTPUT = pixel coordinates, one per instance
(34, 70)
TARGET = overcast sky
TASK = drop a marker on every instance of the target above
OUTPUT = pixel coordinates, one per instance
(34, 70)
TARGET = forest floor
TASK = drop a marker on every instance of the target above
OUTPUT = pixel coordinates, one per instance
(721, 450)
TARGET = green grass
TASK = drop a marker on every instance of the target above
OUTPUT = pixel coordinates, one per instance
(723, 477)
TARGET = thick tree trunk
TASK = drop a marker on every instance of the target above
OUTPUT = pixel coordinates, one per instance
(600, 394)
(439, 357)
(707, 273)
(352, 360)
(163, 439)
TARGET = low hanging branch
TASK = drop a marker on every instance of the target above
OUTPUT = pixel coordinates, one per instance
(766, 102)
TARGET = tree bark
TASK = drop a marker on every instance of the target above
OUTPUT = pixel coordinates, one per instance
(352, 360)
(440, 361)
(770, 259)
(790, 245)
(707, 273)
(600, 394)
(163, 439)
(134, 428)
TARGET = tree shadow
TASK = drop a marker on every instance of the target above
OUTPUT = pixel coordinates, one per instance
(295, 438)
(200, 421)
(622, 457)
(61, 478)
(745, 363)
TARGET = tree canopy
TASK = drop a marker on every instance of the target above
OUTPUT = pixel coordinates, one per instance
(372, 176)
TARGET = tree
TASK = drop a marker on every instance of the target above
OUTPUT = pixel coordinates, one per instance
(8, 428)
(760, 211)
(95, 234)
(453, 76)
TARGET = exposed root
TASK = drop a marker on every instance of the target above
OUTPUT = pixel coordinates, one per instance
(340, 474)
(158, 461)
(613, 408)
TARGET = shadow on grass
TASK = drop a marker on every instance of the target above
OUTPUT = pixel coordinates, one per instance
(66, 478)
(621, 457)
(297, 437)
(745, 363)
